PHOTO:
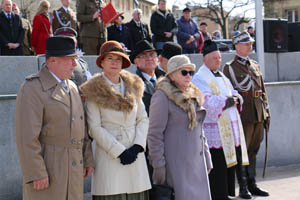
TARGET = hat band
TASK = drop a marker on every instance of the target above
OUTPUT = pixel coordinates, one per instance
(113, 49)
(60, 52)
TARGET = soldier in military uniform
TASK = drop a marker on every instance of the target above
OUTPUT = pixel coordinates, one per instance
(246, 77)
(64, 17)
(92, 33)
(81, 71)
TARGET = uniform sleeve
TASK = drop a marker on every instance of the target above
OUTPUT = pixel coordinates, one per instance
(158, 119)
(29, 120)
(214, 104)
(81, 15)
(103, 138)
(55, 23)
(142, 125)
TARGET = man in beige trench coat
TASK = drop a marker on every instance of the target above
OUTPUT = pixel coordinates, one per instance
(54, 150)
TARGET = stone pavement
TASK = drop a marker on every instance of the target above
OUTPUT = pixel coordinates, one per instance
(283, 183)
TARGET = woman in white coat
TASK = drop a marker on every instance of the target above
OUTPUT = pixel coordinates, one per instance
(118, 123)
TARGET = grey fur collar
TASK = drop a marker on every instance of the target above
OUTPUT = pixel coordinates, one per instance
(98, 91)
(188, 100)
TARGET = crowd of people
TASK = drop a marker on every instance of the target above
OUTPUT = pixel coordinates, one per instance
(19, 37)
(163, 130)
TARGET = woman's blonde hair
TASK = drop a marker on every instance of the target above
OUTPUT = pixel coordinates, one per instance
(44, 5)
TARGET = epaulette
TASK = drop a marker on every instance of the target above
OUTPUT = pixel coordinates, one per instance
(254, 61)
(32, 76)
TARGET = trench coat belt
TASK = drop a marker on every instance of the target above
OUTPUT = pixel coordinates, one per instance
(63, 142)
(255, 93)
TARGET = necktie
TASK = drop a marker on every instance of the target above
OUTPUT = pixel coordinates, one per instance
(8, 16)
(65, 86)
(152, 80)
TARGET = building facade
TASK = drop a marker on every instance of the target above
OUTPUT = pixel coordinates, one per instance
(287, 9)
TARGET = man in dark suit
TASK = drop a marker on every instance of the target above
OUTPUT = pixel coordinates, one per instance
(64, 17)
(11, 31)
(119, 32)
(246, 77)
(146, 60)
(138, 30)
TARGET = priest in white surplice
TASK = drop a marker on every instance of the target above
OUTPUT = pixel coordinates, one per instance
(222, 125)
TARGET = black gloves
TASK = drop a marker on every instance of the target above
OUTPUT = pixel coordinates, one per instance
(136, 149)
(229, 102)
(130, 155)
(127, 157)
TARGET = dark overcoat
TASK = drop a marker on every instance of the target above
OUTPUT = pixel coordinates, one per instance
(11, 31)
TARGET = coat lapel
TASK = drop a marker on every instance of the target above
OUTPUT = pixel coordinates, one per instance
(148, 85)
(48, 82)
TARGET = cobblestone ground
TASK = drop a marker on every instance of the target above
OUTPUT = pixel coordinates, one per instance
(283, 183)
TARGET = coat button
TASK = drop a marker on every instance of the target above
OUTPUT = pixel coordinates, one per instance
(81, 162)
(81, 117)
(73, 163)
(73, 118)
(73, 141)
(201, 153)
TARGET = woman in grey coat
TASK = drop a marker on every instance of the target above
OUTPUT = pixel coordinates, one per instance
(177, 146)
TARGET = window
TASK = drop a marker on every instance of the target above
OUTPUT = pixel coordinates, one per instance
(147, 10)
(127, 5)
(291, 15)
(117, 4)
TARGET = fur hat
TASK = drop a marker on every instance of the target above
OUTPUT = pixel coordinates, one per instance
(209, 46)
(178, 62)
(113, 47)
(171, 49)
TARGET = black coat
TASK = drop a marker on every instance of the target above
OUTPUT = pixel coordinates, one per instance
(160, 24)
(138, 33)
(114, 33)
(11, 31)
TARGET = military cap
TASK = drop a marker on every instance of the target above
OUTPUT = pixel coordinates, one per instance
(65, 31)
(243, 37)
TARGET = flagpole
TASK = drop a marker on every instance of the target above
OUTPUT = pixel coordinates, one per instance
(259, 35)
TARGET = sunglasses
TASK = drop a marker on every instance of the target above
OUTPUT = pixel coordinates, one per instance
(185, 72)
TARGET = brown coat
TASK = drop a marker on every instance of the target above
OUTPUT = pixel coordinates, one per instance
(254, 109)
(65, 18)
(51, 139)
(89, 27)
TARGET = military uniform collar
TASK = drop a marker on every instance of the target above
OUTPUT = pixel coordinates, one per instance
(242, 60)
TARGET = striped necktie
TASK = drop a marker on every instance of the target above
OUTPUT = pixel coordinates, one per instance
(65, 86)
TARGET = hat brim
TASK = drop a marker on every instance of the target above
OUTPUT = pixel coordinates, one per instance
(133, 56)
(251, 40)
(190, 65)
(126, 61)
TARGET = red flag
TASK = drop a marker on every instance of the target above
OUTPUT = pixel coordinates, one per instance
(108, 13)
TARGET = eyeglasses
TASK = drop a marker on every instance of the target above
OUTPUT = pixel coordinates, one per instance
(151, 55)
(185, 72)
